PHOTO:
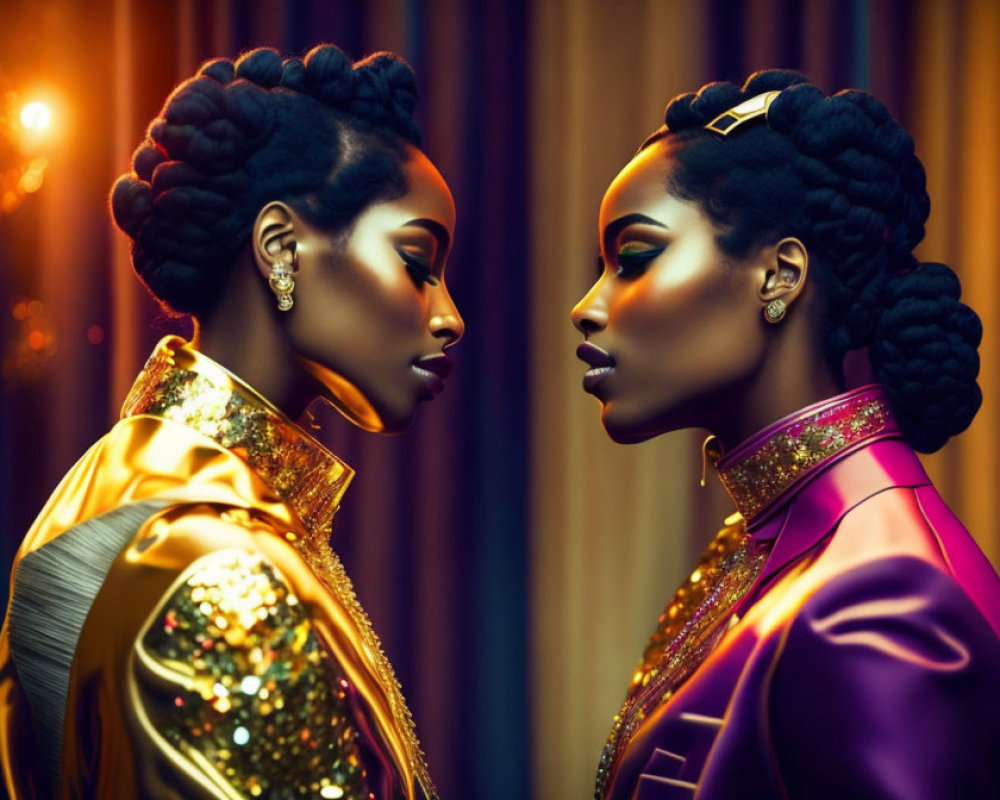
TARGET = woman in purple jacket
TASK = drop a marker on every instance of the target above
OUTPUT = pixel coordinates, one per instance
(841, 635)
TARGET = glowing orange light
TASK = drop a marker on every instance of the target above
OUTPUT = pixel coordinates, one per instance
(9, 201)
(20, 310)
(36, 116)
(36, 340)
(95, 334)
(30, 182)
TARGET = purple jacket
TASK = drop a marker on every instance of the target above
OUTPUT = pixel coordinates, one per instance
(866, 659)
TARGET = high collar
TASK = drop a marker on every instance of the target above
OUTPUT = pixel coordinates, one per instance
(182, 385)
(768, 469)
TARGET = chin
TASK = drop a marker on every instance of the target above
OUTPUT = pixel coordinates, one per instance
(396, 419)
(372, 417)
(625, 431)
(625, 428)
(394, 426)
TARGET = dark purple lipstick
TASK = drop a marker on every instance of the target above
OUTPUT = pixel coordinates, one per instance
(433, 371)
(602, 364)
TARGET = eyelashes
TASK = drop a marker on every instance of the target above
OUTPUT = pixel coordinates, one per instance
(632, 263)
(419, 269)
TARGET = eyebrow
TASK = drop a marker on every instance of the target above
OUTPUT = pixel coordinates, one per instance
(620, 224)
(435, 228)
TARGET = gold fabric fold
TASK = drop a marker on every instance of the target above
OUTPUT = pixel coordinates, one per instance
(237, 476)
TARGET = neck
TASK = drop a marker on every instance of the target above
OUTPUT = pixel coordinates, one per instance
(245, 335)
(774, 393)
(793, 374)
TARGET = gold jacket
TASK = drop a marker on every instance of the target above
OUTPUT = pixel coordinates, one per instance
(179, 626)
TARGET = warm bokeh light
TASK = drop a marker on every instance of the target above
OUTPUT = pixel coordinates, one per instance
(28, 135)
(31, 180)
(26, 352)
(95, 334)
(36, 116)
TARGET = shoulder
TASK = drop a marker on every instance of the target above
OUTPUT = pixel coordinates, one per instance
(892, 664)
(209, 621)
(148, 458)
(901, 608)
(888, 524)
(221, 558)
(165, 545)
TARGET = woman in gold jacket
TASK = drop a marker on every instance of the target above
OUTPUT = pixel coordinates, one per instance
(178, 623)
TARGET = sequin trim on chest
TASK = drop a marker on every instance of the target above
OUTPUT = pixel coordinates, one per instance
(688, 630)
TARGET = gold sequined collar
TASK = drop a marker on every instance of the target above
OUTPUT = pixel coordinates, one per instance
(180, 384)
(770, 466)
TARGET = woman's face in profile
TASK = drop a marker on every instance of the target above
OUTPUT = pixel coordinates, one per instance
(372, 315)
(672, 324)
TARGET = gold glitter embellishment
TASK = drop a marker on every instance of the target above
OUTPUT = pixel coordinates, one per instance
(243, 688)
(324, 561)
(186, 387)
(799, 447)
(687, 631)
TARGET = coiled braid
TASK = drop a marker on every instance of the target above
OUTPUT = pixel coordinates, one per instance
(324, 135)
(840, 174)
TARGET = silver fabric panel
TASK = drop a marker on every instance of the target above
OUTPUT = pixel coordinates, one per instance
(54, 589)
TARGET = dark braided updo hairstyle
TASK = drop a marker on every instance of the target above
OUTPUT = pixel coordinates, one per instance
(324, 135)
(840, 174)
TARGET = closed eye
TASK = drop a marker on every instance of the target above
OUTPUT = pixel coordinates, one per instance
(632, 262)
(419, 268)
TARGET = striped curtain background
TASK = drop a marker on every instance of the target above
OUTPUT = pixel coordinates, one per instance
(512, 558)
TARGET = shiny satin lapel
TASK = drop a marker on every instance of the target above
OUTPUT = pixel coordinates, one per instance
(827, 497)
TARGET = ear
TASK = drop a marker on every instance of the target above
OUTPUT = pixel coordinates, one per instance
(785, 276)
(274, 236)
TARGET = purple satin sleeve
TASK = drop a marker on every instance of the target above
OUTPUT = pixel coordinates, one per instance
(885, 684)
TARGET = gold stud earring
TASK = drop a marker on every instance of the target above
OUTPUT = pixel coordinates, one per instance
(774, 311)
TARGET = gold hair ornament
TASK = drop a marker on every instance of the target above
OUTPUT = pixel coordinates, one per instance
(730, 120)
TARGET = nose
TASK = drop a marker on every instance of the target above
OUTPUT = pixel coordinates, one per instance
(591, 313)
(445, 322)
